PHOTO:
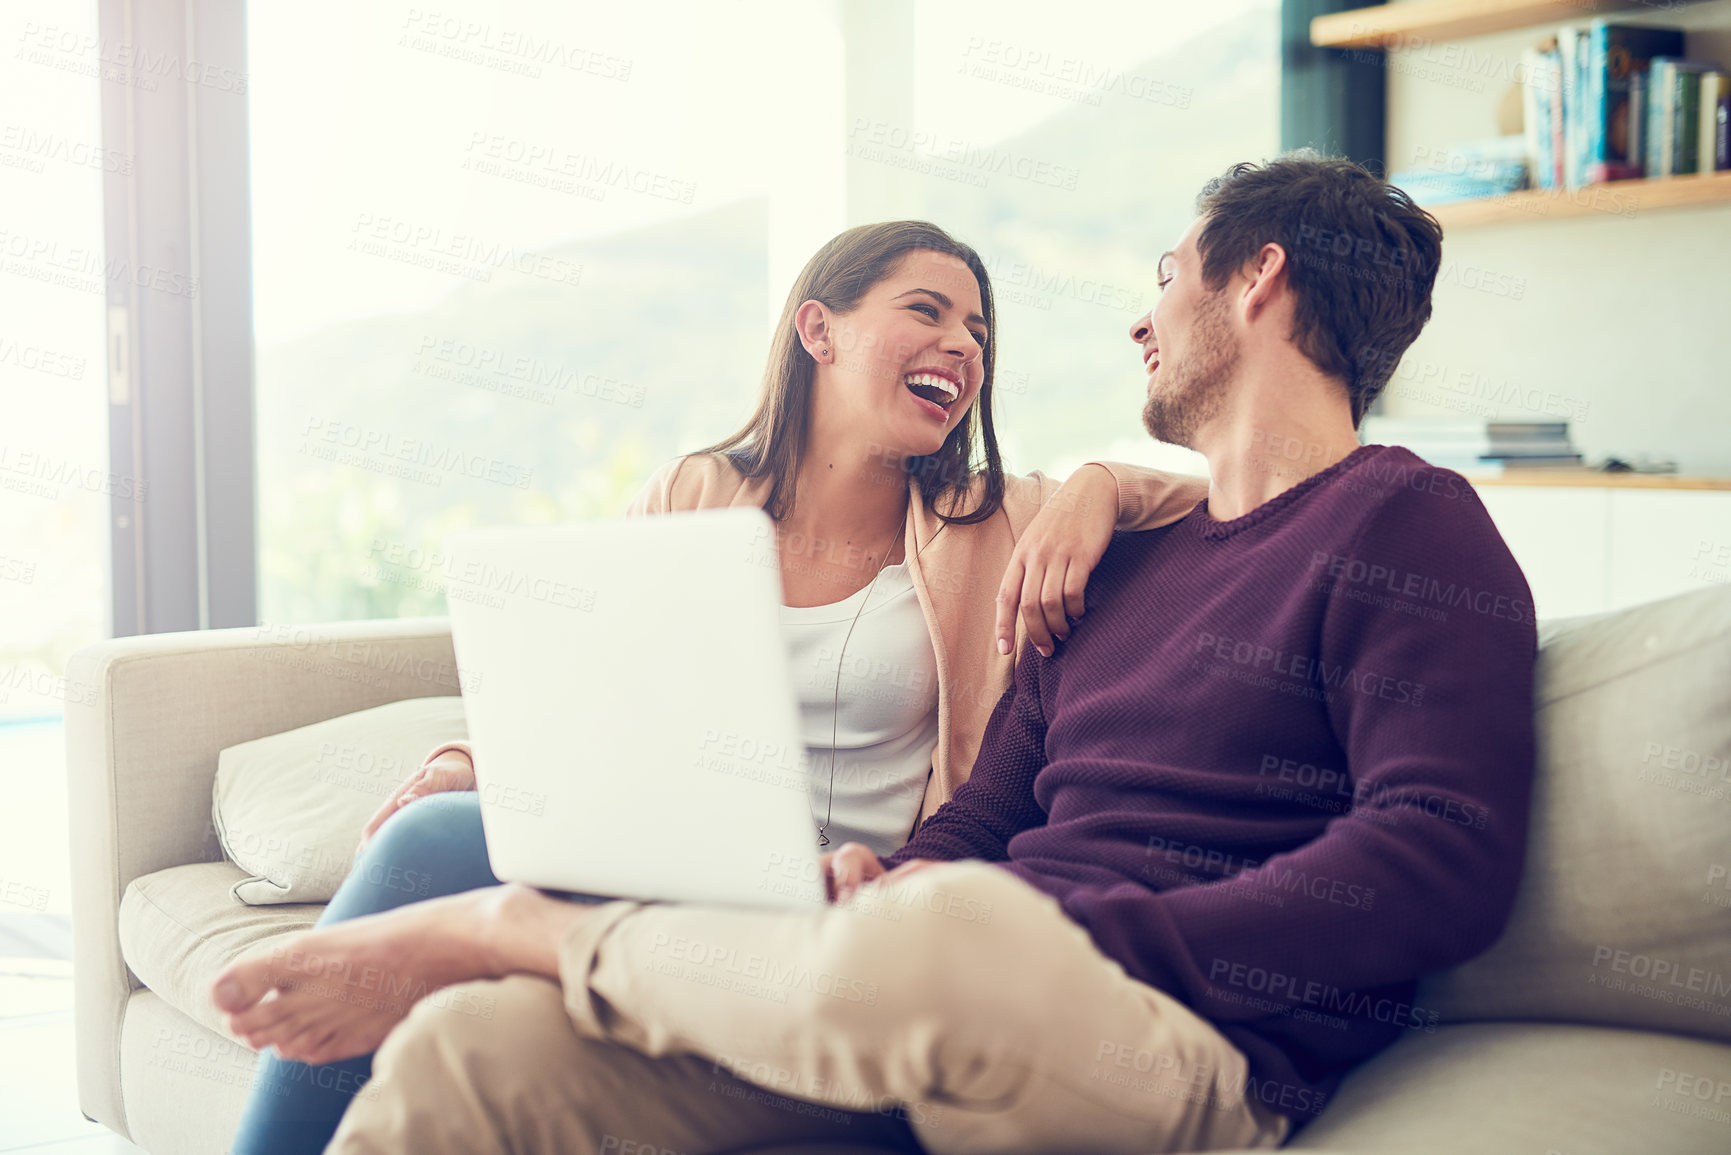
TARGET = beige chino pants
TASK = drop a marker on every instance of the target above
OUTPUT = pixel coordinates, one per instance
(960, 1000)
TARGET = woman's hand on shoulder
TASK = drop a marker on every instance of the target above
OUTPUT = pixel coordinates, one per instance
(1048, 571)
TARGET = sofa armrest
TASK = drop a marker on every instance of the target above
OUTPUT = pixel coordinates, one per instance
(145, 719)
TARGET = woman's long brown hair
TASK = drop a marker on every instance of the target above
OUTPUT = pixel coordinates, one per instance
(839, 275)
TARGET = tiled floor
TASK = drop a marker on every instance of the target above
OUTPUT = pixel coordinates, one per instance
(38, 1090)
(38, 1087)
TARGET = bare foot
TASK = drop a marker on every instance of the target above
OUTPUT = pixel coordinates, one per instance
(336, 991)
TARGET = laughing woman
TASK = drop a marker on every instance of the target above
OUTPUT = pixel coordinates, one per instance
(873, 450)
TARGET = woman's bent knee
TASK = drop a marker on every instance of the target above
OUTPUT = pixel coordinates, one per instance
(430, 836)
(433, 846)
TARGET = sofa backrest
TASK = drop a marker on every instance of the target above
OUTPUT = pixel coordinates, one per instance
(1624, 911)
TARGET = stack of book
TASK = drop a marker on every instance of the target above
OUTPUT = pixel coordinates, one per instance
(1467, 172)
(1618, 101)
(1477, 445)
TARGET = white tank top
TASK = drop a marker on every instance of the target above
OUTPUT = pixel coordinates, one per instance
(885, 717)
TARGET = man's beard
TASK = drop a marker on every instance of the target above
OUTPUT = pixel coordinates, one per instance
(1194, 390)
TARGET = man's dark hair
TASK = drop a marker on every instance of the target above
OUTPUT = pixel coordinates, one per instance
(1361, 258)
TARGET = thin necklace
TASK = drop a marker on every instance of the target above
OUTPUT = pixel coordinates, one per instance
(835, 702)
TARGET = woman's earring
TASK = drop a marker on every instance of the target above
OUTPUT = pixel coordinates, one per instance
(824, 353)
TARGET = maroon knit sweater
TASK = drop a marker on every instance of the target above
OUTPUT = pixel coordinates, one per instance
(1282, 767)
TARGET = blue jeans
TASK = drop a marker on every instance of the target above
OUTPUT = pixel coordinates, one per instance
(431, 847)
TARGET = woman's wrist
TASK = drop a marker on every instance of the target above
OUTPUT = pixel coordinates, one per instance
(453, 753)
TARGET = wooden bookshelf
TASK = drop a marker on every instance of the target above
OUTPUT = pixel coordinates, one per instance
(1447, 20)
(1618, 198)
(1597, 479)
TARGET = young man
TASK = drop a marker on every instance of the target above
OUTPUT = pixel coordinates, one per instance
(1280, 770)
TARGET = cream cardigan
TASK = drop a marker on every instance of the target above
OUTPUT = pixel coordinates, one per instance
(956, 570)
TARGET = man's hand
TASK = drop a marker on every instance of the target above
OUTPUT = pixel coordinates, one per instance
(847, 868)
(1049, 569)
(451, 770)
(853, 866)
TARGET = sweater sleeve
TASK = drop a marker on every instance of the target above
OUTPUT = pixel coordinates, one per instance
(1436, 719)
(997, 801)
(1151, 498)
(1147, 498)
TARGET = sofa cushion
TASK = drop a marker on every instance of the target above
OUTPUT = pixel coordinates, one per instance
(185, 1085)
(1624, 911)
(289, 807)
(179, 927)
(1528, 1088)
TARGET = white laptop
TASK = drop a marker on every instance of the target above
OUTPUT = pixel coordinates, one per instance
(631, 709)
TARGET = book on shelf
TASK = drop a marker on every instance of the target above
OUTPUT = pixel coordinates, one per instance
(1538, 96)
(1610, 101)
(1616, 80)
(1722, 149)
(1710, 144)
(1476, 444)
(1673, 115)
(1686, 119)
(1569, 107)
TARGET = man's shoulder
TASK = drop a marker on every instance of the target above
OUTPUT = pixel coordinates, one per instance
(1420, 527)
(1397, 491)
(1382, 474)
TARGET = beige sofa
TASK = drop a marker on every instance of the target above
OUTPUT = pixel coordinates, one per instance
(1599, 1023)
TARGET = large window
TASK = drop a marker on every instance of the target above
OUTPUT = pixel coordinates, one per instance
(1070, 152)
(509, 258)
(54, 485)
